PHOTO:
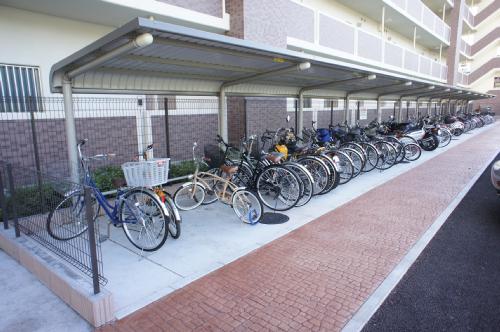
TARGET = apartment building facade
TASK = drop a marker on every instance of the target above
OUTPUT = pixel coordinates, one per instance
(446, 41)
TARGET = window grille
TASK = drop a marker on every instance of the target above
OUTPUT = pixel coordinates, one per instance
(19, 83)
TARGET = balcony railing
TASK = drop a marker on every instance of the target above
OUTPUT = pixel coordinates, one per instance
(467, 15)
(465, 48)
(423, 15)
(462, 78)
(326, 34)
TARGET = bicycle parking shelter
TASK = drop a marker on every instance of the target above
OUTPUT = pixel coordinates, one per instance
(147, 57)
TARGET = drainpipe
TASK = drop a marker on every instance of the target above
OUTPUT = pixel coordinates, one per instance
(300, 116)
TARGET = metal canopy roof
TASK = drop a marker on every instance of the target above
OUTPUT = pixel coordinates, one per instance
(151, 57)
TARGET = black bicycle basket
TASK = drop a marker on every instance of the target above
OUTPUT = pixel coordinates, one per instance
(213, 155)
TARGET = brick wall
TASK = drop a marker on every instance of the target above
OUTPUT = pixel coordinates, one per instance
(236, 119)
(494, 103)
(235, 9)
(184, 130)
(266, 113)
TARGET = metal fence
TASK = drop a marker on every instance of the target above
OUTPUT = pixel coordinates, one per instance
(34, 136)
(27, 201)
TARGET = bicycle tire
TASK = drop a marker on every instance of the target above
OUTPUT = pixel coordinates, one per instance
(306, 179)
(333, 179)
(372, 156)
(416, 151)
(387, 155)
(272, 180)
(77, 224)
(186, 190)
(251, 214)
(319, 170)
(357, 160)
(346, 168)
(174, 225)
(146, 216)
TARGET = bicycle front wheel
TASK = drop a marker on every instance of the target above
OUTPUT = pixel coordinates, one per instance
(278, 188)
(247, 206)
(67, 220)
(143, 219)
(189, 196)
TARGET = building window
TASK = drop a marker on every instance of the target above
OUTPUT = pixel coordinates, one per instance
(328, 103)
(17, 83)
(496, 83)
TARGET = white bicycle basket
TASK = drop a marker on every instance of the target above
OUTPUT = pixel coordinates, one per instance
(149, 173)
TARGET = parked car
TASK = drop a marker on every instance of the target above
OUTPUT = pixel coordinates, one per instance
(495, 175)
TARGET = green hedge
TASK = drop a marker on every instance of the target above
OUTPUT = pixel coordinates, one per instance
(104, 177)
(184, 168)
(31, 200)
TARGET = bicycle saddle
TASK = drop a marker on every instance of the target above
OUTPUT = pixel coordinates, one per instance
(274, 158)
(229, 169)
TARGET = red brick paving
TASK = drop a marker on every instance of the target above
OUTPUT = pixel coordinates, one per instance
(316, 277)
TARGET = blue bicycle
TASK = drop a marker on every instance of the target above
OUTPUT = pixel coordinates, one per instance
(139, 210)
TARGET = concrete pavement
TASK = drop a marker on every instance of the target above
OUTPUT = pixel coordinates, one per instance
(318, 276)
(28, 306)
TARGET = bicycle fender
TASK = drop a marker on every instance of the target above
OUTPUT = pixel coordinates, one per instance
(163, 207)
(177, 215)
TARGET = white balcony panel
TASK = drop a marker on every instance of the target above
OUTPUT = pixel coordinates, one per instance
(402, 16)
(400, 3)
(425, 65)
(444, 72)
(299, 21)
(414, 8)
(393, 55)
(336, 34)
(428, 18)
(411, 61)
(436, 69)
(369, 46)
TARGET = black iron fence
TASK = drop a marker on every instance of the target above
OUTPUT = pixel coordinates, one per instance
(33, 133)
(27, 202)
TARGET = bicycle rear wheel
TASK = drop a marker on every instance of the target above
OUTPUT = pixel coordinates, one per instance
(346, 169)
(388, 155)
(357, 160)
(247, 206)
(412, 152)
(67, 220)
(143, 219)
(319, 171)
(307, 181)
(372, 156)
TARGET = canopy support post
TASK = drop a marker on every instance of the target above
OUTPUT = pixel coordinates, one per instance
(379, 110)
(346, 109)
(400, 110)
(223, 115)
(300, 115)
(70, 126)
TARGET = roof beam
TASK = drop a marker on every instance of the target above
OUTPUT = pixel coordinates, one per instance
(408, 83)
(395, 93)
(430, 94)
(296, 67)
(336, 83)
(138, 42)
(417, 91)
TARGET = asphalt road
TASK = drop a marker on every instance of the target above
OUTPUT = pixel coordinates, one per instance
(455, 283)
